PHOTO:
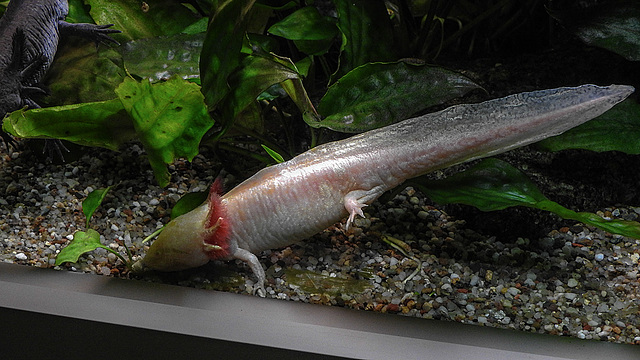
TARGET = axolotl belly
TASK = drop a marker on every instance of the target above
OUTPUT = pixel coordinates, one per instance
(288, 202)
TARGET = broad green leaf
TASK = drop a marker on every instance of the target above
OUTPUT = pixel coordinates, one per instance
(611, 25)
(170, 119)
(163, 57)
(188, 202)
(221, 53)
(277, 4)
(493, 184)
(367, 34)
(103, 124)
(617, 129)
(298, 94)
(78, 13)
(197, 27)
(379, 94)
(305, 24)
(82, 242)
(163, 17)
(274, 154)
(93, 200)
(82, 75)
(258, 73)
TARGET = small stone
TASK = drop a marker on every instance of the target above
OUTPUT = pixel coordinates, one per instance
(572, 283)
(21, 256)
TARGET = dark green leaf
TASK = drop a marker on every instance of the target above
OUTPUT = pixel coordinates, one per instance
(277, 4)
(91, 203)
(170, 119)
(617, 129)
(188, 202)
(258, 73)
(221, 53)
(78, 13)
(490, 185)
(197, 27)
(163, 57)
(274, 155)
(305, 24)
(82, 75)
(367, 34)
(380, 94)
(612, 25)
(163, 17)
(82, 242)
(493, 184)
(104, 124)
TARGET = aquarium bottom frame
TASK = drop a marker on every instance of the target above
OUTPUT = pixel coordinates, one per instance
(50, 313)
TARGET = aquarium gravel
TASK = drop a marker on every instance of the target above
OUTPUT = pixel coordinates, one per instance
(576, 281)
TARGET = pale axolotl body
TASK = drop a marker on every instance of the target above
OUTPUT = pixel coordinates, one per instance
(285, 203)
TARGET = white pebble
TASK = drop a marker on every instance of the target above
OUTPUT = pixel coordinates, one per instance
(21, 256)
(599, 257)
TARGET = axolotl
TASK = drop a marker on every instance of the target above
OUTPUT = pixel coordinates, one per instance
(293, 200)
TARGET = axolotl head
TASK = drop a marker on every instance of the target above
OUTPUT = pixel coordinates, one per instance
(192, 239)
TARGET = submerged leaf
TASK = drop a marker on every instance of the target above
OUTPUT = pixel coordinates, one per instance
(163, 57)
(93, 200)
(82, 75)
(617, 129)
(493, 184)
(611, 25)
(366, 34)
(103, 124)
(162, 17)
(305, 24)
(188, 202)
(170, 119)
(221, 53)
(379, 94)
(82, 242)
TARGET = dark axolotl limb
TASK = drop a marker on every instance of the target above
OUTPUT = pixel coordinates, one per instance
(29, 36)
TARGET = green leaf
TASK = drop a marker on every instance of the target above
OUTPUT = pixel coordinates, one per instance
(258, 73)
(367, 34)
(82, 75)
(170, 119)
(197, 27)
(493, 184)
(103, 124)
(612, 25)
(379, 94)
(163, 57)
(93, 200)
(274, 154)
(82, 242)
(221, 53)
(78, 13)
(163, 17)
(311, 32)
(188, 202)
(305, 24)
(617, 129)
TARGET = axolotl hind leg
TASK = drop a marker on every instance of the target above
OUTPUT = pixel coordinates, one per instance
(355, 200)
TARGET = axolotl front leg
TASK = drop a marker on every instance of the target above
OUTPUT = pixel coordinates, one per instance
(293, 200)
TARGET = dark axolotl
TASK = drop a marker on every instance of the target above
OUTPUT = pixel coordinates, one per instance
(295, 199)
(29, 35)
